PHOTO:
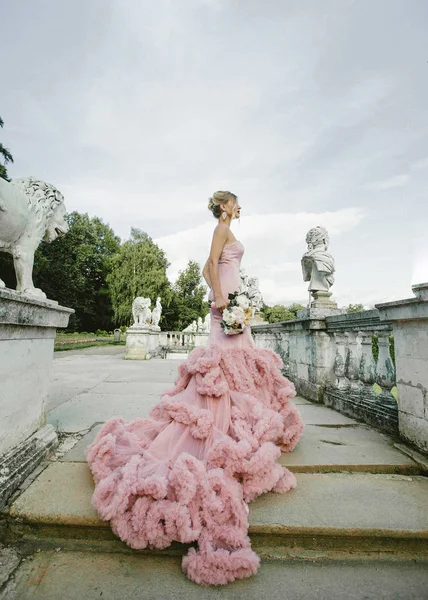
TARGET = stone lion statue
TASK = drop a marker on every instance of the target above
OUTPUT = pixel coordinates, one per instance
(30, 211)
(141, 312)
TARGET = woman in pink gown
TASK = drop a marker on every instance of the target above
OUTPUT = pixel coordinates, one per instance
(209, 447)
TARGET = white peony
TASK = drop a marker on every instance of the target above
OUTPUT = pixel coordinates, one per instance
(228, 317)
(242, 301)
(238, 314)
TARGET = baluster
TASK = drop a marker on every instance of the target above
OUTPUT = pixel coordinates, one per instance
(342, 382)
(368, 363)
(385, 370)
(286, 346)
(353, 360)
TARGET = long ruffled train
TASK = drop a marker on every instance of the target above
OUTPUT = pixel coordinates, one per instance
(209, 447)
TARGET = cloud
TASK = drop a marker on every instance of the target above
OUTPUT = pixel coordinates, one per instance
(138, 111)
(387, 184)
(420, 164)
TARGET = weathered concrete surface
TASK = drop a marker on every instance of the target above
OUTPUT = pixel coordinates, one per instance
(313, 414)
(94, 370)
(77, 575)
(61, 494)
(9, 560)
(322, 448)
(92, 387)
(322, 502)
(356, 448)
(82, 411)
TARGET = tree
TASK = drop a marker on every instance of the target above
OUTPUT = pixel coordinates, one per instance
(188, 303)
(277, 313)
(355, 308)
(73, 271)
(138, 269)
(6, 156)
(295, 307)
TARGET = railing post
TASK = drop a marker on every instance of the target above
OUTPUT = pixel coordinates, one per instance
(353, 359)
(368, 363)
(385, 370)
(342, 382)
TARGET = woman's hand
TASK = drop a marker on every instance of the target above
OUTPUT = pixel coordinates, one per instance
(221, 303)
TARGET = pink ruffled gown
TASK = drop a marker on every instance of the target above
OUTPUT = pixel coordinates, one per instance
(209, 447)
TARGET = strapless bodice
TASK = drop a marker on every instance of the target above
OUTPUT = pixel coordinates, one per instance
(229, 268)
(232, 253)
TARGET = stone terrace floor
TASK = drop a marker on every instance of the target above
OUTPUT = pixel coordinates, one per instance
(361, 502)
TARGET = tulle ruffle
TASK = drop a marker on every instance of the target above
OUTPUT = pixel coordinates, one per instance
(186, 473)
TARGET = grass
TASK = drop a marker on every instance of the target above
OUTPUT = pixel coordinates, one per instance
(77, 341)
(80, 345)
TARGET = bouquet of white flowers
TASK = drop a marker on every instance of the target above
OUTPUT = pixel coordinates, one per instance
(238, 314)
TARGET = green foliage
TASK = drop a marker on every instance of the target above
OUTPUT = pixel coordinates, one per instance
(188, 300)
(138, 269)
(294, 308)
(355, 308)
(277, 313)
(73, 271)
(6, 156)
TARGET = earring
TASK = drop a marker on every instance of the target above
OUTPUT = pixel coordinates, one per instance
(224, 215)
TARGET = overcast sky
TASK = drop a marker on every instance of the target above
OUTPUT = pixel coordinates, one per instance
(314, 112)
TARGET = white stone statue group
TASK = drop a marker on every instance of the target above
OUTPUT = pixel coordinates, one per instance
(143, 316)
(251, 287)
(201, 326)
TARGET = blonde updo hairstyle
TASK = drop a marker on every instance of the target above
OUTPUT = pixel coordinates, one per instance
(217, 199)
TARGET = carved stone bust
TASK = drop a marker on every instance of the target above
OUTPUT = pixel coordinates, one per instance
(318, 264)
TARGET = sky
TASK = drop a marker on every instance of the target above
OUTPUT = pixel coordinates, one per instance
(314, 112)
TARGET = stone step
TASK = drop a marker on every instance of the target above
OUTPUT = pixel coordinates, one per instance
(357, 512)
(76, 575)
(330, 443)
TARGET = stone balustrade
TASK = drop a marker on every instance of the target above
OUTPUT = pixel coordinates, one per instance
(331, 359)
(345, 360)
(143, 342)
(181, 341)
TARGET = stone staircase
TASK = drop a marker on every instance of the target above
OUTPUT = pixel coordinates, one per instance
(356, 526)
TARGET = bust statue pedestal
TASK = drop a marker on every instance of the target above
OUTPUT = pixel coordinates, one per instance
(322, 300)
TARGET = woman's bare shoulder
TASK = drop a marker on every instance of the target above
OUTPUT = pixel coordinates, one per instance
(221, 231)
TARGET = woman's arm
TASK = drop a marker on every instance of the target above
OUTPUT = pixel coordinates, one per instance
(206, 274)
(217, 245)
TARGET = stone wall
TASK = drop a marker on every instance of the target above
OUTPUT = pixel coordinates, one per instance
(410, 322)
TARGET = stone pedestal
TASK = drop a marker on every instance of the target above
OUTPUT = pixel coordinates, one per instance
(141, 342)
(27, 331)
(410, 325)
(322, 299)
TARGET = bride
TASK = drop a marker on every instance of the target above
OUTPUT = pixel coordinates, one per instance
(209, 447)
